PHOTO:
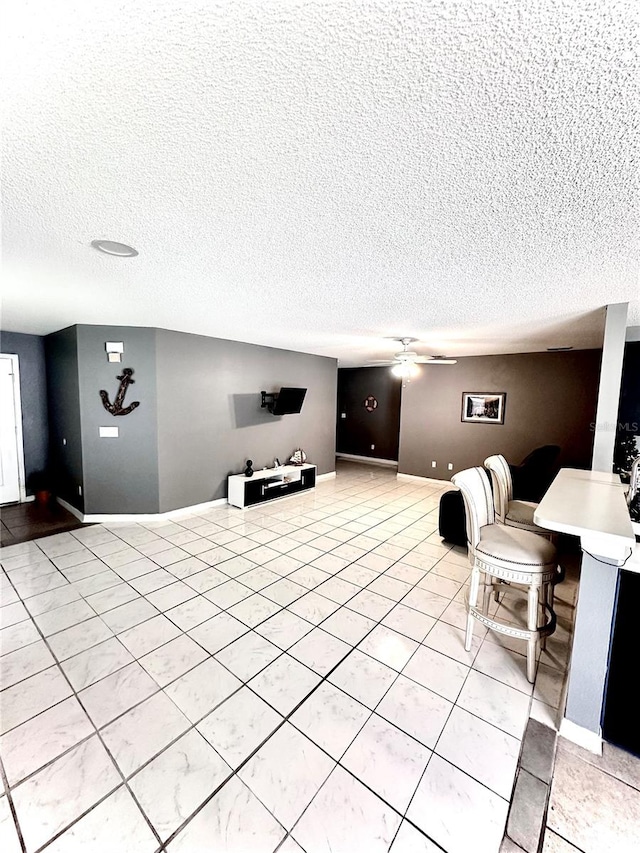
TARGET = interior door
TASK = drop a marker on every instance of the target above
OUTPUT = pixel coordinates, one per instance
(9, 454)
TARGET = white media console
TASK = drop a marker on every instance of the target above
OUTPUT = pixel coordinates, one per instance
(270, 483)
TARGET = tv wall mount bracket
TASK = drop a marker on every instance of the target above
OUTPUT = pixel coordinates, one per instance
(264, 404)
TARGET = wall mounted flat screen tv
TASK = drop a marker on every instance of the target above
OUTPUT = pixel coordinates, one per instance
(289, 401)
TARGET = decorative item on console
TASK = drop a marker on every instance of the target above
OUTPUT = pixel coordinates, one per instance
(298, 457)
(248, 471)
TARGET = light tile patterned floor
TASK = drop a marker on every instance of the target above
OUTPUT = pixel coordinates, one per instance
(289, 677)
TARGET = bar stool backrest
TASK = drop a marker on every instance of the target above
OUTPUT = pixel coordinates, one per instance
(478, 501)
(498, 467)
(634, 481)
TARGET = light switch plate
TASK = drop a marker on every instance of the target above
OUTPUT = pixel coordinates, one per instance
(114, 346)
(114, 356)
(108, 432)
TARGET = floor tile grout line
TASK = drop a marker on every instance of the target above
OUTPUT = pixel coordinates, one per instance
(113, 761)
(14, 815)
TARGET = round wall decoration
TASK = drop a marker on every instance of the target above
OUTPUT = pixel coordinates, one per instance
(370, 404)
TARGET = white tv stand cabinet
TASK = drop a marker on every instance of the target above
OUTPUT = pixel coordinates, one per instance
(270, 483)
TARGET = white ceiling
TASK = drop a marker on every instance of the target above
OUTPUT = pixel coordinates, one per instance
(322, 175)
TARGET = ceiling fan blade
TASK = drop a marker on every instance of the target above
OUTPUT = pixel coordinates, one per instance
(380, 363)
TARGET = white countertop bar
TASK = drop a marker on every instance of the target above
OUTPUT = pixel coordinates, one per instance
(591, 505)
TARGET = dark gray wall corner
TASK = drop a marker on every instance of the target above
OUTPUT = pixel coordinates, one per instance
(65, 432)
(209, 416)
(120, 474)
(551, 399)
(30, 350)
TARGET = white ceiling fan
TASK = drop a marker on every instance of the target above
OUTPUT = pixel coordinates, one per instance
(404, 363)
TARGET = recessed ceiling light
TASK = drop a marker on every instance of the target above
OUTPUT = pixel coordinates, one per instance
(110, 247)
(558, 349)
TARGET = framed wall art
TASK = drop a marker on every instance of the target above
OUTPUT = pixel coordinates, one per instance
(483, 408)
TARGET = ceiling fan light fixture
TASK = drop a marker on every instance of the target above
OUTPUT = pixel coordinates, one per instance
(405, 370)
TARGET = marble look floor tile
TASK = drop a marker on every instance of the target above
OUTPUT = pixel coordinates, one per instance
(111, 598)
(283, 565)
(388, 760)
(555, 844)
(249, 654)
(388, 647)
(390, 587)
(12, 614)
(409, 622)
(449, 641)
(358, 575)
(172, 786)
(239, 725)
(129, 615)
(235, 820)
(313, 607)
(345, 816)
(119, 692)
(228, 594)
(286, 773)
(110, 547)
(9, 841)
(149, 635)
(433, 582)
(28, 587)
(503, 665)
(202, 689)
(97, 583)
(49, 801)
(85, 570)
(284, 629)
(171, 595)
(284, 684)
(454, 571)
(594, 810)
(338, 590)
(487, 754)
(284, 591)
(416, 710)
(548, 685)
(172, 660)
(24, 662)
(236, 566)
(320, 651)
(438, 672)
(121, 557)
(495, 702)
(254, 610)
(403, 572)
(30, 746)
(17, 636)
(426, 602)
(95, 663)
(363, 678)
(31, 696)
(456, 615)
(206, 580)
(191, 613)
(169, 556)
(144, 731)
(331, 719)
(218, 632)
(371, 605)
(152, 581)
(457, 812)
(49, 600)
(137, 568)
(348, 626)
(411, 840)
(258, 578)
(115, 824)
(309, 577)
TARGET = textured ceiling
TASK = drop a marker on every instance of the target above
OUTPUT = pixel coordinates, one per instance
(321, 175)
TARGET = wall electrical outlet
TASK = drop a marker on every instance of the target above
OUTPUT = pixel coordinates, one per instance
(79, 490)
(433, 464)
(343, 415)
(64, 441)
(450, 466)
(373, 447)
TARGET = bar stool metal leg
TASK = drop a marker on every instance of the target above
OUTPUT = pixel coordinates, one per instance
(532, 625)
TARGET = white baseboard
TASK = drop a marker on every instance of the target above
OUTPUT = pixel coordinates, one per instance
(330, 476)
(585, 738)
(72, 509)
(424, 479)
(103, 518)
(371, 460)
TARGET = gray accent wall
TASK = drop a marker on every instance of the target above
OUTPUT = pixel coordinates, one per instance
(209, 416)
(551, 399)
(65, 432)
(30, 350)
(120, 474)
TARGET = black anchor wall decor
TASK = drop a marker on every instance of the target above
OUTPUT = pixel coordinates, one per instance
(116, 407)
